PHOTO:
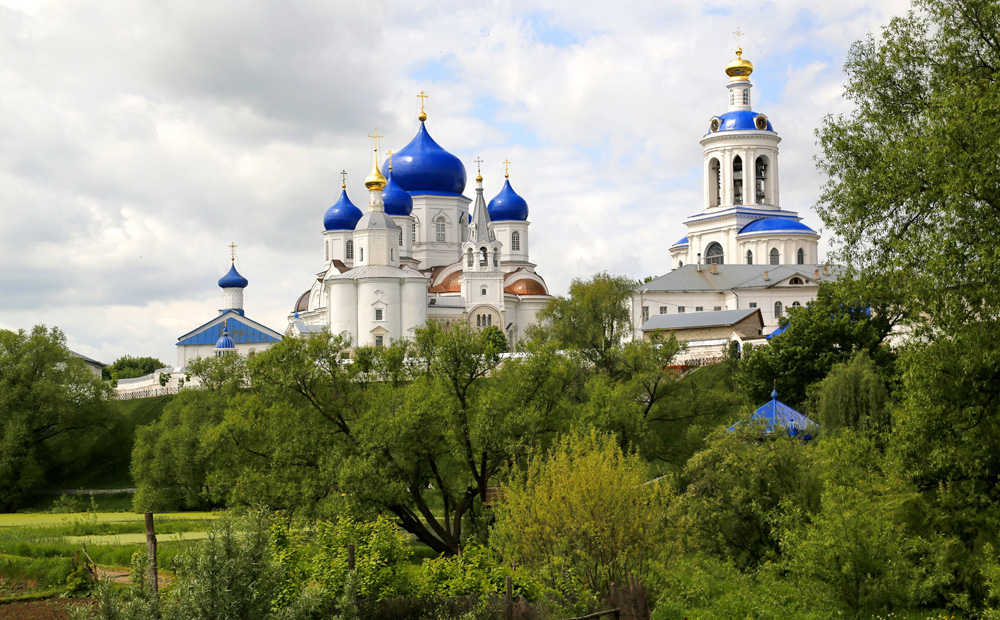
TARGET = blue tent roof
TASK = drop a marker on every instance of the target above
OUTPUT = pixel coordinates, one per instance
(240, 330)
(776, 414)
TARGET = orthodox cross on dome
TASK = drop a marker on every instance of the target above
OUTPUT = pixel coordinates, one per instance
(388, 157)
(232, 251)
(479, 168)
(375, 138)
(423, 113)
(739, 44)
(506, 168)
(343, 179)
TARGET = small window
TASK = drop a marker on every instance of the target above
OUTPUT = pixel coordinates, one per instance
(326, 248)
(732, 97)
(717, 308)
(483, 257)
(663, 309)
(796, 280)
(515, 241)
(378, 314)
(775, 257)
(749, 257)
(714, 254)
(489, 320)
(801, 256)
(440, 230)
(777, 310)
(680, 309)
(479, 320)
(796, 304)
(378, 340)
(483, 292)
(699, 308)
(413, 233)
(349, 250)
(390, 254)
(645, 313)
(746, 96)
(496, 257)
(400, 236)
(753, 304)
(361, 255)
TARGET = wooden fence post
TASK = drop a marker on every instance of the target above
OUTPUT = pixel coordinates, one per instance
(151, 554)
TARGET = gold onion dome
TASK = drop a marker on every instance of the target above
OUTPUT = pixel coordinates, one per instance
(739, 69)
(375, 179)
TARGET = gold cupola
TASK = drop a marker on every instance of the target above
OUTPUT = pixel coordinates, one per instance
(375, 179)
(739, 69)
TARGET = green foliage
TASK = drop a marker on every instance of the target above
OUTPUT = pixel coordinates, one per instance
(827, 331)
(494, 340)
(853, 395)
(736, 489)
(45, 394)
(129, 367)
(380, 551)
(582, 514)
(477, 571)
(912, 195)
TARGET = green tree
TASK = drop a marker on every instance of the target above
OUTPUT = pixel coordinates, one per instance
(45, 394)
(827, 331)
(128, 367)
(582, 511)
(913, 194)
(853, 395)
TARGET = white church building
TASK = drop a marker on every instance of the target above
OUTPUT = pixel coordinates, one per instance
(742, 249)
(420, 253)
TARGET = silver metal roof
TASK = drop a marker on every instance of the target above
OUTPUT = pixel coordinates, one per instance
(688, 278)
(688, 320)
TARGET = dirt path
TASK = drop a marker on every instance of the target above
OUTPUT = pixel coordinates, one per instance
(49, 609)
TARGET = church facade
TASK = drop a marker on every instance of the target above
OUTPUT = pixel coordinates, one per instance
(422, 251)
(742, 250)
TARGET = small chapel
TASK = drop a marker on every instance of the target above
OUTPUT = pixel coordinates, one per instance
(422, 251)
(742, 251)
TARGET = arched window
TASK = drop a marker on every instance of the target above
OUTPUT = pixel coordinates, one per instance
(713, 254)
(483, 291)
(749, 257)
(391, 257)
(760, 168)
(796, 304)
(801, 255)
(361, 255)
(489, 320)
(796, 280)
(737, 180)
(349, 250)
(775, 257)
(483, 257)
(515, 242)
(326, 250)
(496, 257)
(469, 261)
(479, 320)
(714, 182)
(440, 230)
(777, 310)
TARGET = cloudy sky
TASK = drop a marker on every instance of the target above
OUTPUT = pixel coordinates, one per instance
(138, 138)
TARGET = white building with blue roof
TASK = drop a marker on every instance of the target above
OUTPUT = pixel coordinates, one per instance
(742, 250)
(422, 251)
(229, 332)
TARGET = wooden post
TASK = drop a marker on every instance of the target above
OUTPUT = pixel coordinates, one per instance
(350, 556)
(151, 554)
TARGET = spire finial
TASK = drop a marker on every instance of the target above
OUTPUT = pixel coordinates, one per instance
(232, 251)
(506, 168)
(375, 180)
(739, 45)
(343, 179)
(388, 157)
(423, 114)
(479, 169)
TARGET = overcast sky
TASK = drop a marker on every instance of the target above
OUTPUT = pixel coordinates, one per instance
(138, 138)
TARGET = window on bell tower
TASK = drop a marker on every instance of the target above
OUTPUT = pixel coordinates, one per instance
(737, 180)
(515, 242)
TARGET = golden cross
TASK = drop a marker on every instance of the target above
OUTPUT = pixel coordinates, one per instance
(422, 97)
(343, 179)
(506, 168)
(388, 155)
(479, 165)
(375, 137)
(232, 251)
(738, 35)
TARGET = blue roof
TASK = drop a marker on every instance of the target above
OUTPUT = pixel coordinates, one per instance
(396, 200)
(777, 415)
(683, 241)
(224, 341)
(508, 205)
(240, 331)
(233, 279)
(343, 215)
(422, 166)
(775, 224)
(741, 120)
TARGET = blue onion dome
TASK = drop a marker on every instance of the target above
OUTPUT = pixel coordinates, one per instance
(740, 120)
(507, 205)
(343, 215)
(776, 224)
(233, 279)
(397, 200)
(423, 167)
(224, 341)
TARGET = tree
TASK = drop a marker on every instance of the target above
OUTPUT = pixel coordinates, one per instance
(853, 395)
(595, 319)
(582, 511)
(913, 196)
(128, 367)
(827, 331)
(45, 394)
